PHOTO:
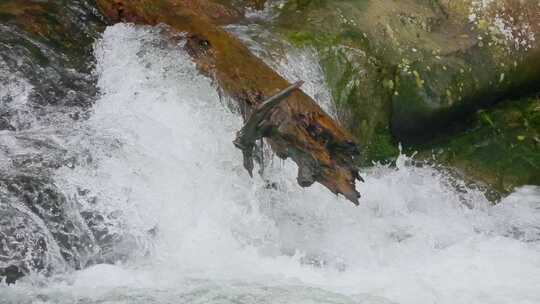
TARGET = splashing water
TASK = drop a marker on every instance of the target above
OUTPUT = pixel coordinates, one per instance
(290, 63)
(197, 229)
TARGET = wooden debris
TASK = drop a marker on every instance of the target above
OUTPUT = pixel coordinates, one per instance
(292, 122)
(256, 125)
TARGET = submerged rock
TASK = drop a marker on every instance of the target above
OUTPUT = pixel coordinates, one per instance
(46, 84)
(59, 216)
(49, 45)
(25, 244)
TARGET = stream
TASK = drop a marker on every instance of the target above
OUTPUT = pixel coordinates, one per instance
(151, 204)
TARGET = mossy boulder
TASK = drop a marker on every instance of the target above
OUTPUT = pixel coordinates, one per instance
(411, 71)
(360, 81)
(472, 61)
(438, 61)
(500, 146)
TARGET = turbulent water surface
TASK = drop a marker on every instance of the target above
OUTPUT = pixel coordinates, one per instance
(183, 222)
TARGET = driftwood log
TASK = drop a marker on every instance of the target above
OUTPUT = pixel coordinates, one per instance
(293, 124)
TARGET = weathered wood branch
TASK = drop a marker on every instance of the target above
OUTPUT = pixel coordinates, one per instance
(294, 125)
(257, 125)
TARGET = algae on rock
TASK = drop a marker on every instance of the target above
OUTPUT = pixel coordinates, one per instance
(501, 146)
(409, 71)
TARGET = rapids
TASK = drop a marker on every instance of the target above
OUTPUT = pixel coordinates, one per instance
(190, 226)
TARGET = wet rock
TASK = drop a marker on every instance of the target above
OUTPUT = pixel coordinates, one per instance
(409, 71)
(433, 60)
(492, 55)
(45, 83)
(25, 244)
(355, 66)
(44, 231)
(50, 45)
(501, 146)
(220, 12)
(59, 216)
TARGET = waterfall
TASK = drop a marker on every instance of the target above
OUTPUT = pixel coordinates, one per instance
(160, 209)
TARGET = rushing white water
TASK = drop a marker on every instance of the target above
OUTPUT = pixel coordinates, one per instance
(291, 63)
(202, 231)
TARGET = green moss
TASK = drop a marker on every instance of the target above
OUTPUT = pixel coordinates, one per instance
(306, 38)
(419, 67)
(501, 147)
(383, 148)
